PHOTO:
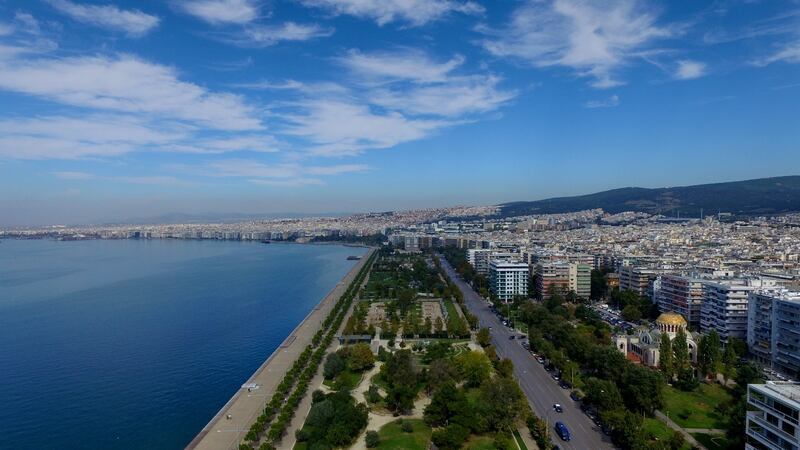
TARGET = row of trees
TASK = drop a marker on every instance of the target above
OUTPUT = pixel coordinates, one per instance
(299, 376)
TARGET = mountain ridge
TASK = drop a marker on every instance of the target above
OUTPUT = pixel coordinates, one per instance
(760, 196)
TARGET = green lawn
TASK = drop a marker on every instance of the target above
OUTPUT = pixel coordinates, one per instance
(345, 380)
(657, 429)
(712, 441)
(394, 438)
(696, 409)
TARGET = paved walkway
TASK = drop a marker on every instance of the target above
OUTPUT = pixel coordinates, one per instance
(245, 405)
(525, 433)
(689, 438)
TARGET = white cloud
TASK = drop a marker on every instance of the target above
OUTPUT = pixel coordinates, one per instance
(595, 38)
(222, 11)
(28, 23)
(458, 97)
(73, 175)
(609, 102)
(6, 29)
(790, 53)
(413, 12)
(266, 35)
(284, 174)
(133, 22)
(126, 84)
(338, 127)
(409, 65)
(688, 70)
(149, 180)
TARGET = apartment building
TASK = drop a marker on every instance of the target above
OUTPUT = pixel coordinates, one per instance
(580, 279)
(551, 277)
(637, 279)
(724, 308)
(772, 422)
(680, 294)
(786, 335)
(508, 279)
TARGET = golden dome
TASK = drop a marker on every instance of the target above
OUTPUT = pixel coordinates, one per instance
(670, 318)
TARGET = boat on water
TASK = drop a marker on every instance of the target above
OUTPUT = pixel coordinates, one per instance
(353, 258)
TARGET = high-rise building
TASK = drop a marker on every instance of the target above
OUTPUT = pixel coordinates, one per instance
(551, 277)
(724, 308)
(508, 279)
(786, 335)
(772, 422)
(637, 279)
(580, 279)
(680, 294)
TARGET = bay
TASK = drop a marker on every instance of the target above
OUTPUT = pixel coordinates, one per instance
(137, 344)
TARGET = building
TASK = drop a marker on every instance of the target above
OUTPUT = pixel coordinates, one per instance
(680, 294)
(759, 326)
(551, 277)
(724, 308)
(479, 260)
(772, 423)
(786, 334)
(637, 279)
(508, 279)
(645, 344)
(580, 279)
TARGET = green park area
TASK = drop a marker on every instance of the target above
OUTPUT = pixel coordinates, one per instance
(697, 408)
(414, 435)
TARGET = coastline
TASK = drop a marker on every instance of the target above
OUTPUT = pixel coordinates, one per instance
(246, 404)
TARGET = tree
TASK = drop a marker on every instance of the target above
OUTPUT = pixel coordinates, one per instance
(505, 368)
(400, 375)
(603, 394)
(451, 437)
(680, 349)
(438, 325)
(360, 357)
(474, 367)
(440, 372)
(335, 421)
(642, 389)
(632, 313)
(501, 403)
(445, 404)
(599, 285)
(372, 439)
(334, 365)
(665, 361)
(709, 354)
(483, 338)
(729, 360)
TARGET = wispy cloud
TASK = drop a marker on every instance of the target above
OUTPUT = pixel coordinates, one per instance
(412, 12)
(148, 179)
(788, 53)
(126, 84)
(132, 22)
(688, 69)
(609, 102)
(593, 38)
(268, 35)
(281, 174)
(218, 12)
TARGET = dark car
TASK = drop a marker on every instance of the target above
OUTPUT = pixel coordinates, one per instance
(574, 395)
(562, 431)
(512, 337)
(558, 408)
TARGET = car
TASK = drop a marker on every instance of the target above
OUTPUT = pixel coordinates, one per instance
(558, 408)
(540, 359)
(574, 395)
(512, 337)
(564, 385)
(556, 377)
(562, 431)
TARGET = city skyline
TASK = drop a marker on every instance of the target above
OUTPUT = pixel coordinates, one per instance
(115, 110)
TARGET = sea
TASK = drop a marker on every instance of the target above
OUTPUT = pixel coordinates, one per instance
(136, 344)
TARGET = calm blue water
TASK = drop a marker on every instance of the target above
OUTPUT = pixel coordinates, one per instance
(137, 344)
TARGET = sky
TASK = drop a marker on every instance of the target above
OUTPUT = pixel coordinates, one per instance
(117, 109)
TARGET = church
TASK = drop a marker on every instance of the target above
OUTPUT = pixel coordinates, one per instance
(644, 344)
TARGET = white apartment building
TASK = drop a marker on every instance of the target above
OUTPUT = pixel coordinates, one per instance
(479, 260)
(680, 294)
(508, 279)
(637, 279)
(724, 308)
(786, 335)
(773, 424)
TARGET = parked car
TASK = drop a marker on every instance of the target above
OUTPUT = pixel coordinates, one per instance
(574, 395)
(562, 431)
(558, 408)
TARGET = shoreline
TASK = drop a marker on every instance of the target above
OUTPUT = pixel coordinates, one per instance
(245, 405)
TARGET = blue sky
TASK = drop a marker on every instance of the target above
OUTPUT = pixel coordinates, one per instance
(113, 110)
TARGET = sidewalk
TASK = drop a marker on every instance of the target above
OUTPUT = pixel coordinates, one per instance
(689, 438)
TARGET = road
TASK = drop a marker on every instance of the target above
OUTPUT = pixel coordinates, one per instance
(542, 391)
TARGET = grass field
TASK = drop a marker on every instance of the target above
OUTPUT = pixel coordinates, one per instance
(519, 440)
(392, 437)
(657, 429)
(345, 380)
(712, 441)
(696, 409)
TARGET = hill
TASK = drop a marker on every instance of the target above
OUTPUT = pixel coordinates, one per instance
(764, 196)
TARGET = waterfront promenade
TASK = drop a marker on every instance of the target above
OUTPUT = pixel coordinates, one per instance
(229, 426)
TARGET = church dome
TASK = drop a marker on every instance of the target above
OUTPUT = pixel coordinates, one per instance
(670, 318)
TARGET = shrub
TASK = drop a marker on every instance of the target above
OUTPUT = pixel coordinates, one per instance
(372, 439)
(407, 427)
